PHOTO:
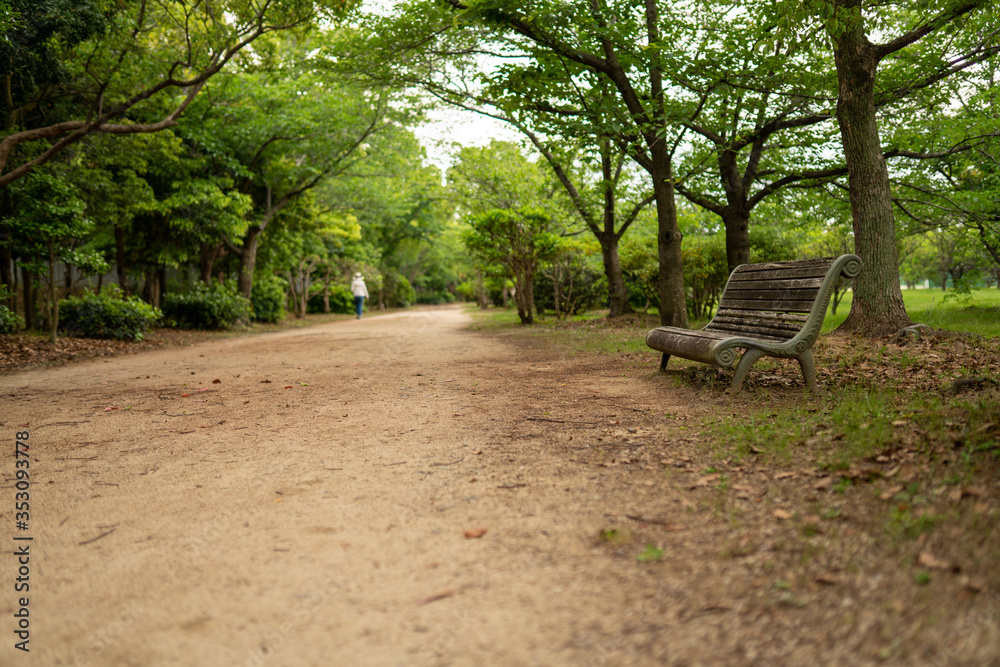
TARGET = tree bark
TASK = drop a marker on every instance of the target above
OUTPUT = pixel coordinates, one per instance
(877, 308)
(736, 214)
(120, 259)
(28, 278)
(53, 301)
(670, 283)
(151, 287)
(248, 260)
(617, 295)
(206, 260)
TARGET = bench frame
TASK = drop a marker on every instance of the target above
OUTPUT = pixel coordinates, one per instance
(768, 328)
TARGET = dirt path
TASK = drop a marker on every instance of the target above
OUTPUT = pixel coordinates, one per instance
(303, 498)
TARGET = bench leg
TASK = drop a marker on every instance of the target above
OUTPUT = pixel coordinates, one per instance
(748, 359)
(808, 369)
(663, 362)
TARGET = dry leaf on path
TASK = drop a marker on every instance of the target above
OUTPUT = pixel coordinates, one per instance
(706, 480)
(435, 598)
(474, 533)
(890, 492)
(782, 514)
(929, 560)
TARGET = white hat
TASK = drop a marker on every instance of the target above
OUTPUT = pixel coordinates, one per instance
(357, 275)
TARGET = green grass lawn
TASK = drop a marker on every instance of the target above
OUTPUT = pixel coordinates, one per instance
(979, 313)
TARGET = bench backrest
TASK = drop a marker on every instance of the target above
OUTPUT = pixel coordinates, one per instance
(774, 300)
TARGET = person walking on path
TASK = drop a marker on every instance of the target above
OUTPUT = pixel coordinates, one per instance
(360, 292)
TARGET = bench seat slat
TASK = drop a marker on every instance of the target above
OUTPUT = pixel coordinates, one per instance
(778, 283)
(777, 304)
(779, 274)
(774, 294)
(782, 317)
(794, 264)
(748, 330)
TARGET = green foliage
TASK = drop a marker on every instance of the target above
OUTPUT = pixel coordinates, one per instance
(208, 307)
(397, 291)
(10, 322)
(106, 315)
(268, 298)
(585, 289)
(341, 300)
(706, 271)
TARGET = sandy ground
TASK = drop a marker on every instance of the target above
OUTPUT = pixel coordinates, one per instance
(319, 496)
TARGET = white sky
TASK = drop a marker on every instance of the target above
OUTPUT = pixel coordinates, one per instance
(448, 127)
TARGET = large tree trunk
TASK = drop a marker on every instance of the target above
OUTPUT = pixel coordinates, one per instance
(53, 300)
(248, 260)
(877, 308)
(207, 255)
(28, 278)
(736, 214)
(151, 288)
(670, 284)
(120, 258)
(737, 221)
(617, 294)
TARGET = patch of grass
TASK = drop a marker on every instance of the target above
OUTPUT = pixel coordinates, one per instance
(650, 554)
(613, 536)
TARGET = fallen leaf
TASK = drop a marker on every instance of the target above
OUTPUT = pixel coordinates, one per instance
(435, 598)
(890, 492)
(784, 475)
(824, 484)
(185, 395)
(706, 480)
(110, 408)
(216, 381)
(474, 533)
(203, 389)
(929, 560)
(782, 514)
(828, 579)
(288, 386)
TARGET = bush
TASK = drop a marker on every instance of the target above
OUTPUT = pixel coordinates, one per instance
(397, 291)
(208, 307)
(106, 315)
(341, 301)
(10, 322)
(268, 297)
(588, 290)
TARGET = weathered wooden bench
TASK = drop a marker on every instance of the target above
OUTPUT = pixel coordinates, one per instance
(774, 309)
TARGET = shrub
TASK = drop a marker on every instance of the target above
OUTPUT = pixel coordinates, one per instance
(10, 322)
(397, 291)
(106, 315)
(341, 301)
(268, 297)
(212, 306)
